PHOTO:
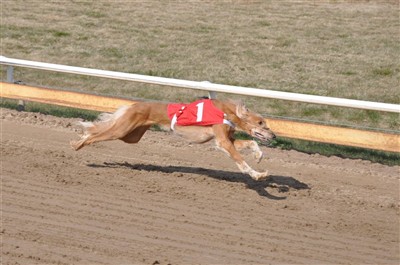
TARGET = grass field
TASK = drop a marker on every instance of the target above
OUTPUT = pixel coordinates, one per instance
(346, 49)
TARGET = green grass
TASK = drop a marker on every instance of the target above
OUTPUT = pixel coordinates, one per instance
(57, 111)
(324, 149)
(58, 33)
(385, 71)
(386, 158)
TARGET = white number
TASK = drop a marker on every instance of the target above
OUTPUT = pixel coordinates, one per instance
(200, 108)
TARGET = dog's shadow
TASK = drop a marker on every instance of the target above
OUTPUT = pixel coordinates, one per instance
(283, 184)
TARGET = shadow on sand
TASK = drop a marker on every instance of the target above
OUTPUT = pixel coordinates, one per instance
(282, 183)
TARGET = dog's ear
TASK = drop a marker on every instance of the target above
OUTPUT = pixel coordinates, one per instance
(241, 110)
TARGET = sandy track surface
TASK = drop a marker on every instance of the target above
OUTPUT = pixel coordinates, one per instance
(165, 202)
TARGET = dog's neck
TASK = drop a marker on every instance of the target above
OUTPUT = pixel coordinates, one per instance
(229, 108)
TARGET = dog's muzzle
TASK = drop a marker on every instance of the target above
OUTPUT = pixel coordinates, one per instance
(264, 136)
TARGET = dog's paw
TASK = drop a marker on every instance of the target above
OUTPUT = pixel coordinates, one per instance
(258, 176)
(75, 145)
(258, 156)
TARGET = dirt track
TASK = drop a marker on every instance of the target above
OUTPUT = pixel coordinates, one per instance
(164, 202)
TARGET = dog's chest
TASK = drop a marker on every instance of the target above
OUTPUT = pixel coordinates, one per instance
(199, 113)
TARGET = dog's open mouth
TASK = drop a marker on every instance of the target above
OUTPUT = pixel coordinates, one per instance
(262, 137)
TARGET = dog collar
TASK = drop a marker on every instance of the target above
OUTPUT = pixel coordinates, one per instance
(228, 122)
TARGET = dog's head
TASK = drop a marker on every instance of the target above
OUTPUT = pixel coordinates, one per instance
(253, 124)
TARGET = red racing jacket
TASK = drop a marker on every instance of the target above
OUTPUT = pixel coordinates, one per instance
(199, 113)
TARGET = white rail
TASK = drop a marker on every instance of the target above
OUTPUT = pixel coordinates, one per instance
(342, 102)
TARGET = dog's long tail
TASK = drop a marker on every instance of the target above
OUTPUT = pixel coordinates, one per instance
(104, 122)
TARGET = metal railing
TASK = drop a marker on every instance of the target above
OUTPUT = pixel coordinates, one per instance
(207, 86)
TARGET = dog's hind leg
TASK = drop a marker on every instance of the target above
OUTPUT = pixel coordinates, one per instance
(113, 133)
(135, 136)
(117, 126)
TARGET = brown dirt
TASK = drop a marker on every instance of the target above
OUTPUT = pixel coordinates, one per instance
(165, 202)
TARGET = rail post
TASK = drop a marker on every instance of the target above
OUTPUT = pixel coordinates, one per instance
(211, 94)
(10, 79)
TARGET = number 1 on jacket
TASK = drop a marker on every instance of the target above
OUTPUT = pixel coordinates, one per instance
(200, 108)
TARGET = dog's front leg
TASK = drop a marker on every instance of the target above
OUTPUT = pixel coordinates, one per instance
(252, 145)
(225, 144)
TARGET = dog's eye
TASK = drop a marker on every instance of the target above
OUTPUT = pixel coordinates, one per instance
(260, 123)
